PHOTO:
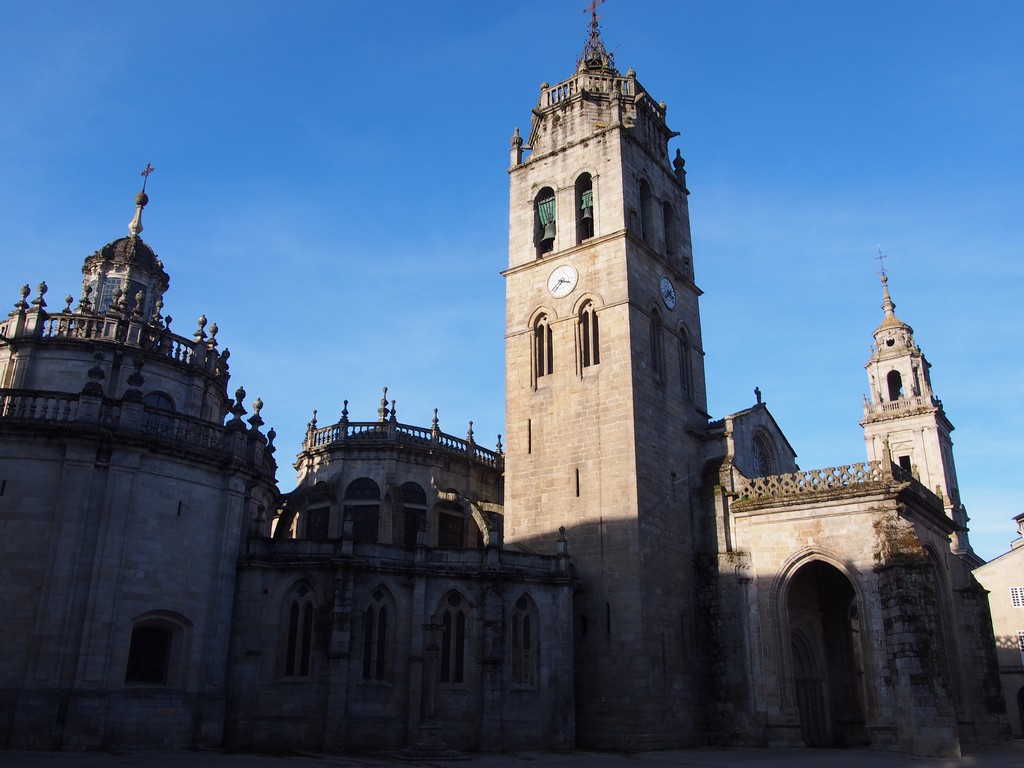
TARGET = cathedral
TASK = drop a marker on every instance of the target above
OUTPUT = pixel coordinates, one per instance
(625, 573)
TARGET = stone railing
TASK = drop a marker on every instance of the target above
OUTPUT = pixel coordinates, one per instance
(903, 405)
(396, 434)
(815, 480)
(46, 407)
(89, 412)
(152, 337)
(587, 81)
(178, 429)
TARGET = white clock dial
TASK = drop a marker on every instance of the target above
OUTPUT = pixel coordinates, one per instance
(668, 292)
(562, 281)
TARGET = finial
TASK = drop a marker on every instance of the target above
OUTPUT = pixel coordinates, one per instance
(394, 411)
(469, 434)
(21, 305)
(499, 449)
(888, 306)
(135, 225)
(68, 300)
(256, 420)
(84, 305)
(38, 300)
(435, 425)
(344, 413)
(237, 411)
(200, 333)
(271, 436)
(382, 412)
(516, 153)
(595, 55)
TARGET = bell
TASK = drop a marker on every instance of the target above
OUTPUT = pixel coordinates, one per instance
(588, 214)
(549, 233)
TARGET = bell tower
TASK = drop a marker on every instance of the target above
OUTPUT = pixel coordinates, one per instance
(905, 423)
(605, 392)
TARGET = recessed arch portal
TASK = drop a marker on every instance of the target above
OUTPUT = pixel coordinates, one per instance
(826, 656)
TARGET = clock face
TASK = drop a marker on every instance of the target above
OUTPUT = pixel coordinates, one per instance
(562, 281)
(668, 292)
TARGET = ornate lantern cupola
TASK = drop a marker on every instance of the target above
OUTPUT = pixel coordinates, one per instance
(126, 276)
(903, 420)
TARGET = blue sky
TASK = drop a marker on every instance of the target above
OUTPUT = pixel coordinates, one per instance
(331, 189)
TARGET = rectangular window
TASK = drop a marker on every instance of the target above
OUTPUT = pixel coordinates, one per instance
(1017, 597)
(316, 523)
(451, 530)
(148, 656)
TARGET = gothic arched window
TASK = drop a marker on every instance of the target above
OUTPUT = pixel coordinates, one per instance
(685, 369)
(298, 620)
(377, 636)
(762, 454)
(589, 336)
(543, 356)
(524, 645)
(454, 616)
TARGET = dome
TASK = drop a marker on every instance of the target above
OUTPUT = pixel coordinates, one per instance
(129, 252)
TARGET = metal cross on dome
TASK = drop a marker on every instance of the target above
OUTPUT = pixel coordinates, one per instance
(880, 258)
(145, 175)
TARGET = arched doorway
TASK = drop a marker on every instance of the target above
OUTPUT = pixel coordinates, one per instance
(824, 628)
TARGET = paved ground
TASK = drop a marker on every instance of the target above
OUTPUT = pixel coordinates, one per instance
(1009, 756)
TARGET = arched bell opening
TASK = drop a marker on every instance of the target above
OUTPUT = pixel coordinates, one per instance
(895, 384)
(826, 656)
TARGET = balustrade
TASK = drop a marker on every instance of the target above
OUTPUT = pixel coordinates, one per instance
(404, 434)
(814, 480)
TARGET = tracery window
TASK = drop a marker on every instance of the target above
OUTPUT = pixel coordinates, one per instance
(298, 647)
(589, 337)
(362, 505)
(543, 356)
(376, 636)
(524, 645)
(454, 616)
(762, 454)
